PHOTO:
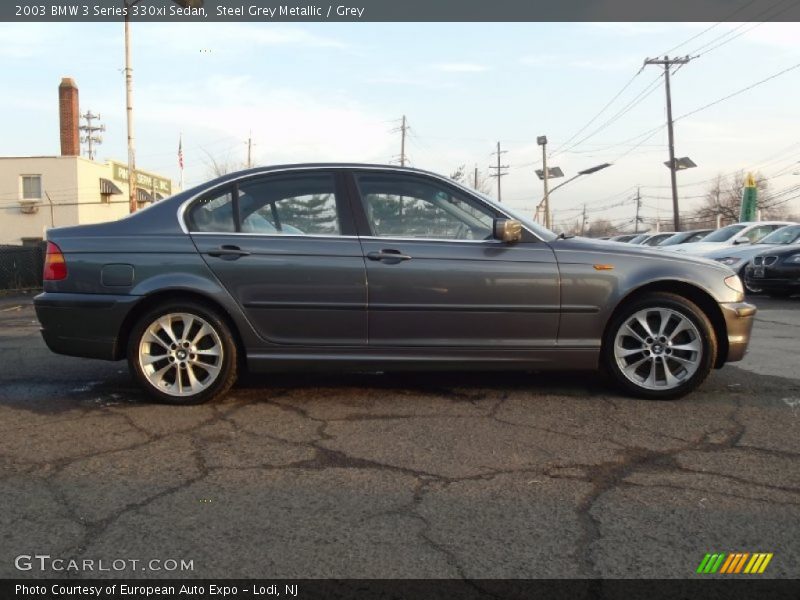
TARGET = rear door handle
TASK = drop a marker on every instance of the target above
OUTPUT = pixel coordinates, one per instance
(388, 255)
(228, 252)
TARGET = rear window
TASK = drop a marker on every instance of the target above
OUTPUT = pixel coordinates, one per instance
(213, 213)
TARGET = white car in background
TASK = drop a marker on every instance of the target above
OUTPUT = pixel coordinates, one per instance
(732, 235)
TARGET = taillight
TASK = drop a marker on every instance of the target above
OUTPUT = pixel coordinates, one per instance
(55, 267)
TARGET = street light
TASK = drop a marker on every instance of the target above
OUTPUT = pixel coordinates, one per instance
(542, 141)
(588, 171)
(681, 164)
(132, 204)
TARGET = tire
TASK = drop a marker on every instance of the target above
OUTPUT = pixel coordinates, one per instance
(685, 345)
(187, 338)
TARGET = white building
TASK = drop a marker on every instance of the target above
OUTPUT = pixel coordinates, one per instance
(39, 192)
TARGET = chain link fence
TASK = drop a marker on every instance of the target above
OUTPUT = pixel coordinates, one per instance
(21, 266)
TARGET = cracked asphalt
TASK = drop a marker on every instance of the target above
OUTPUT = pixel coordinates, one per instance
(452, 475)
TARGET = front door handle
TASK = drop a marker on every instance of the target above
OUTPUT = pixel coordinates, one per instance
(227, 252)
(388, 255)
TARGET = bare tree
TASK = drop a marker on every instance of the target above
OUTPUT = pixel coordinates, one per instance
(217, 167)
(598, 228)
(467, 178)
(724, 198)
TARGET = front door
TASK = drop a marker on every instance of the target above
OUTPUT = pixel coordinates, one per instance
(284, 246)
(437, 278)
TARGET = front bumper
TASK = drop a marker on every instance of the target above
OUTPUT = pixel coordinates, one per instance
(85, 325)
(776, 278)
(739, 317)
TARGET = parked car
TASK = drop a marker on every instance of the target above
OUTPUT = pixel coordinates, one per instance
(685, 237)
(375, 267)
(624, 238)
(775, 271)
(732, 235)
(639, 238)
(737, 257)
(656, 238)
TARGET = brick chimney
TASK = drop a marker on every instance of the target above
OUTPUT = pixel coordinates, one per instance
(68, 115)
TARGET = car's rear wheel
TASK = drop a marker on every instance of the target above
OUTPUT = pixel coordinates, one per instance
(183, 353)
(659, 347)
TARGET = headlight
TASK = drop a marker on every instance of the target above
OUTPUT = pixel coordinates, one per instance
(729, 260)
(735, 284)
(794, 259)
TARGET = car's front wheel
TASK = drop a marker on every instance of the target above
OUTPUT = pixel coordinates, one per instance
(659, 347)
(183, 353)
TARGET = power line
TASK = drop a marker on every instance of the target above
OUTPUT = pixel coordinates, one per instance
(649, 89)
(602, 110)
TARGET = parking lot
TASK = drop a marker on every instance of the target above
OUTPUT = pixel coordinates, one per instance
(400, 475)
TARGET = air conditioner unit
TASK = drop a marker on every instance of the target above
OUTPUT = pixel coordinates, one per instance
(28, 207)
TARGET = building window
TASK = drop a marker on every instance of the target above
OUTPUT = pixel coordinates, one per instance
(31, 187)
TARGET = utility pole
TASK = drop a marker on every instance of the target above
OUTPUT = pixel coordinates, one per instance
(129, 112)
(249, 143)
(667, 63)
(499, 173)
(637, 220)
(583, 221)
(545, 180)
(402, 130)
(475, 179)
(90, 138)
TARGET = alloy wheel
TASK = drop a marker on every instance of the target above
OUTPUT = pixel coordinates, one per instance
(658, 348)
(180, 354)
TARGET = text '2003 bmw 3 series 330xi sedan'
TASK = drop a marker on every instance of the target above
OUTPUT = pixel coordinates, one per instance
(370, 267)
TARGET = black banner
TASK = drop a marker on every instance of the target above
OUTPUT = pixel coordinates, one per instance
(404, 589)
(398, 10)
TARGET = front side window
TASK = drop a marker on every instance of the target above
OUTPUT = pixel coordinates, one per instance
(31, 187)
(290, 205)
(409, 207)
(213, 213)
(757, 233)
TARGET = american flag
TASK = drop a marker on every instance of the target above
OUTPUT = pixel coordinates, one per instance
(180, 152)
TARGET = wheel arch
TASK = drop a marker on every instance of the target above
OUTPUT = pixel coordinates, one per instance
(694, 293)
(154, 299)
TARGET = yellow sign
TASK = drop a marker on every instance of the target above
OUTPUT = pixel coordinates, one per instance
(146, 181)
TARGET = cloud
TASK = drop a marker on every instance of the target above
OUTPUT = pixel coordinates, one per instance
(288, 125)
(234, 38)
(608, 63)
(460, 67)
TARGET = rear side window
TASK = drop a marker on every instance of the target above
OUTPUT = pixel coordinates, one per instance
(290, 205)
(213, 213)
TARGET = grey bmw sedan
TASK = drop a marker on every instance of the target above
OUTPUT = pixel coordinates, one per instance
(370, 267)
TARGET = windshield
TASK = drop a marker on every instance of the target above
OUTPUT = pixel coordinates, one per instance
(784, 235)
(639, 238)
(724, 234)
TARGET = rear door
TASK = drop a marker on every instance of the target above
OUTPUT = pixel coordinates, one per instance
(284, 246)
(438, 279)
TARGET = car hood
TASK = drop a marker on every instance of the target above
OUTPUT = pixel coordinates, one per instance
(698, 247)
(617, 249)
(744, 251)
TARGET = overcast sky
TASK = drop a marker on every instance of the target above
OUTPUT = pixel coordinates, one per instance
(313, 92)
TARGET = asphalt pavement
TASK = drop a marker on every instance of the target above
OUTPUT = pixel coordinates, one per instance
(453, 475)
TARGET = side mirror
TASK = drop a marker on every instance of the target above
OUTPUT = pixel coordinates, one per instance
(507, 230)
(741, 240)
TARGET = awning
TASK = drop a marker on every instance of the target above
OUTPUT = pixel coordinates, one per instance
(143, 196)
(108, 187)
